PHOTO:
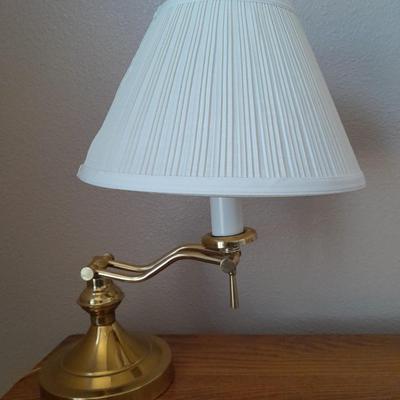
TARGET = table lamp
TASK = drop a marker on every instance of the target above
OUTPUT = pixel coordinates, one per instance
(225, 99)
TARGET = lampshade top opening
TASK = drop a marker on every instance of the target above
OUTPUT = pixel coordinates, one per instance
(278, 3)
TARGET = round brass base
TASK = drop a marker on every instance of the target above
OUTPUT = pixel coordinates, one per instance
(108, 364)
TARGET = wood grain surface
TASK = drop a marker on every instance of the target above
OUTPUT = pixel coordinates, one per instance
(274, 367)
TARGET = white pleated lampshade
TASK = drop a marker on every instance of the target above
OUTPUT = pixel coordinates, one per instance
(224, 98)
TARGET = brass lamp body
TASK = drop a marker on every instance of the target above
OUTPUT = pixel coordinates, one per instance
(109, 363)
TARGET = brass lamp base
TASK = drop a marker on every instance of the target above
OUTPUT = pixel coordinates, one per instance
(107, 363)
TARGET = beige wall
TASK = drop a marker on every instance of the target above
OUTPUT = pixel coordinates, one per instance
(327, 264)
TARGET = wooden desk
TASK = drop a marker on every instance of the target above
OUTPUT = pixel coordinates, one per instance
(275, 367)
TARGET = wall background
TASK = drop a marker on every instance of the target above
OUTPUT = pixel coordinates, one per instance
(327, 264)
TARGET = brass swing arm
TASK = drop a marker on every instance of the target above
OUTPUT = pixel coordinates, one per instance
(222, 251)
(99, 265)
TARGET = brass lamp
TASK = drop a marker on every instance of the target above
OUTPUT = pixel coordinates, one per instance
(224, 98)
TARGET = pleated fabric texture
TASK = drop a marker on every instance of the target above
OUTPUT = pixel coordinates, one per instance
(224, 98)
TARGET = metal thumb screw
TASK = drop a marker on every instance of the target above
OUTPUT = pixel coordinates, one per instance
(233, 291)
(228, 265)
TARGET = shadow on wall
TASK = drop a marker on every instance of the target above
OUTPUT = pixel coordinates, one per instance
(321, 252)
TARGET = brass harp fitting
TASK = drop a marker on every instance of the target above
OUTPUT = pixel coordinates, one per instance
(108, 363)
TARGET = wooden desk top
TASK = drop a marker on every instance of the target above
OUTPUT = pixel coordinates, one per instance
(275, 367)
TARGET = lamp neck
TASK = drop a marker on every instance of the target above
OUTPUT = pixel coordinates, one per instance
(100, 299)
(226, 216)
